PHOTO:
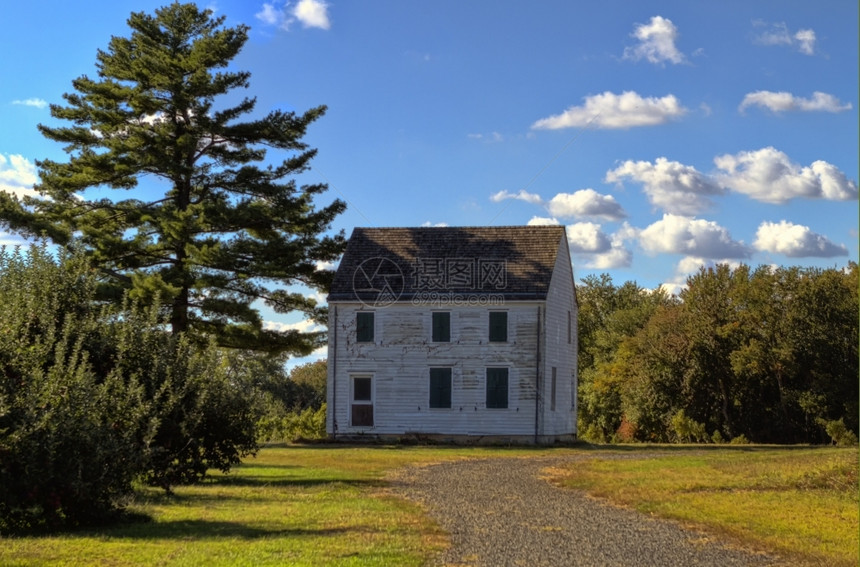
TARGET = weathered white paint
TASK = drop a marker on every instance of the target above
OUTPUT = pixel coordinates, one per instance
(402, 353)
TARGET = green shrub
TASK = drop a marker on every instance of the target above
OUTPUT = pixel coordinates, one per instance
(838, 432)
(305, 425)
(688, 430)
(69, 435)
(92, 399)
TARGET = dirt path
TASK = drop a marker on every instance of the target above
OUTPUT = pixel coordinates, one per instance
(500, 512)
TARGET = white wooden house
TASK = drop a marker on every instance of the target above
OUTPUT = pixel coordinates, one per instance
(454, 333)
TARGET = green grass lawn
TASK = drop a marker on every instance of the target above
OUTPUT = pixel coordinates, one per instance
(329, 505)
(799, 502)
(314, 506)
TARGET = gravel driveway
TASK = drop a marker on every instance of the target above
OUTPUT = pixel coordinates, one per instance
(500, 512)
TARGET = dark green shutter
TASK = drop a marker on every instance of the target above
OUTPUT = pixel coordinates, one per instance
(440, 387)
(497, 388)
(364, 327)
(498, 326)
(441, 327)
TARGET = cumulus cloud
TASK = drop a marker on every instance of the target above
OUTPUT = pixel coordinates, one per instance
(616, 257)
(690, 265)
(305, 326)
(17, 175)
(795, 241)
(674, 187)
(786, 102)
(521, 195)
(585, 203)
(769, 175)
(542, 221)
(675, 234)
(310, 13)
(428, 224)
(320, 265)
(656, 42)
(34, 102)
(597, 249)
(587, 238)
(613, 111)
(778, 34)
(271, 16)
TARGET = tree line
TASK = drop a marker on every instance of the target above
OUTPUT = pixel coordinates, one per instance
(742, 354)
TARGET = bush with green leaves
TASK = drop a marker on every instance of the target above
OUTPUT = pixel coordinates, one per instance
(94, 397)
(70, 436)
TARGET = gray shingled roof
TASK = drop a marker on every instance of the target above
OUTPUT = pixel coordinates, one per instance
(383, 265)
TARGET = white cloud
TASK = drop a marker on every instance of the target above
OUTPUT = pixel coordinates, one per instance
(587, 238)
(311, 14)
(674, 187)
(612, 111)
(320, 265)
(769, 175)
(17, 175)
(428, 224)
(34, 102)
(542, 221)
(617, 257)
(305, 326)
(806, 41)
(585, 203)
(270, 15)
(11, 240)
(656, 42)
(795, 241)
(598, 250)
(491, 137)
(676, 234)
(688, 266)
(778, 34)
(521, 195)
(785, 101)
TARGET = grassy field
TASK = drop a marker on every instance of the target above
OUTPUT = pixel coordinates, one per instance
(288, 506)
(328, 505)
(799, 502)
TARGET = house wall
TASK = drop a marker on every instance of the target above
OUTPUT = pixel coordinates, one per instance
(560, 353)
(399, 362)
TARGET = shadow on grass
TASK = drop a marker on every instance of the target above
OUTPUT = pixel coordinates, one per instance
(245, 480)
(203, 529)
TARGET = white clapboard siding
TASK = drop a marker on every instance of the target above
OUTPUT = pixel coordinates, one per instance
(400, 358)
(561, 311)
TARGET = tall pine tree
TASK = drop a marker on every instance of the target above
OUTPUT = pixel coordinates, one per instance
(212, 230)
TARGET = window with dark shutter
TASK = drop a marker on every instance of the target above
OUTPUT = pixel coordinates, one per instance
(440, 387)
(362, 402)
(441, 327)
(498, 326)
(364, 327)
(497, 388)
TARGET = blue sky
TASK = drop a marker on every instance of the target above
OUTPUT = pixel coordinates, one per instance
(664, 135)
